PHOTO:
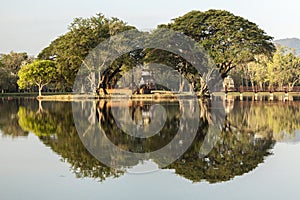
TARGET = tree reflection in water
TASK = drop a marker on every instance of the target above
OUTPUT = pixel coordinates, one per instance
(248, 135)
(280, 119)
(9, 117)
(55, 128)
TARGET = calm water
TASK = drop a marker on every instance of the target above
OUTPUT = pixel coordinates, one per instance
(256, 156)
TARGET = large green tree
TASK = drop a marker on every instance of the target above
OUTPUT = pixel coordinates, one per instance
(38, 73)
(70, 49)
(189, 60)
(230, 40)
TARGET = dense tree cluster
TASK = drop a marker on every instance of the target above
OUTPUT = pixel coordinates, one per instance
(10, 64)
(237, 46)
(281, 71)
(280, 120)
(70, 49)
(230, 40)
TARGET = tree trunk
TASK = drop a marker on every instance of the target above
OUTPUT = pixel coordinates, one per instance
(291, 86)
(280, 86)
(260, 86)
(40, 91)
(252, 85)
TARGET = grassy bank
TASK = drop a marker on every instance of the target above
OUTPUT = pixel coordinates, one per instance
(79, 97)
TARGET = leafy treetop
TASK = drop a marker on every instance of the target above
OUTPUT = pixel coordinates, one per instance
(230, 40)
(38, 73)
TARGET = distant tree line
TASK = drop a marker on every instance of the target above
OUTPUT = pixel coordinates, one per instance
(281, 71)
(10, 64)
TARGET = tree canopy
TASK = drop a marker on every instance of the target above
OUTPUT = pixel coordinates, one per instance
(230, 40)
(70, 49)
(38, 73)
(282, 69)
(10, 64)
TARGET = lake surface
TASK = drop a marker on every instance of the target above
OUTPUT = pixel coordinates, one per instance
(44, 155)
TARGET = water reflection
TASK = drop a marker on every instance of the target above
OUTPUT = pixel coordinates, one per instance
(247, 137)
(113, 145)
(9, 124)
(281, 120)
(139, 112)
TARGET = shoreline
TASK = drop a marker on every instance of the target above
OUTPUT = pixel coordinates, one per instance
(157, 97)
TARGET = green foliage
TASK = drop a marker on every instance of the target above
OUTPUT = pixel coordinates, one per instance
(190, 49)
(9, 120)
(257, 70)
(70, 49)
(10, 64)
(235, 154)
(5, 80)
(284, 68)
(230, 40)
(247, 138)
(279, 120)
(55, 128)
(38, 123)
(38, 73)
(13, 61)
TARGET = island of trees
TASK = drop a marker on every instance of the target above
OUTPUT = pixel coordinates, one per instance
(238, 47)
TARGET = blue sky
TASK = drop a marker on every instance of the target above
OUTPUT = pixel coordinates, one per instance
(30, 25)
